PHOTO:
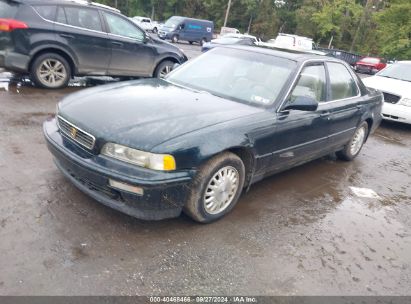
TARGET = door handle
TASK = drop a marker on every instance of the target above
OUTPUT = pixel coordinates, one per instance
(116, 43)
(67, 36)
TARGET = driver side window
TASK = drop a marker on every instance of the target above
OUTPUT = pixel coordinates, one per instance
(311, 83)
(121, 27)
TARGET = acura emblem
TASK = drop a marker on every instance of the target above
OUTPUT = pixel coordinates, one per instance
(73, 132)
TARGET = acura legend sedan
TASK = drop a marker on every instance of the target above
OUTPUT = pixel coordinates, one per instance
(197, 139)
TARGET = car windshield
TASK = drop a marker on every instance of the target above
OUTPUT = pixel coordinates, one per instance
(172, 22)
(401, 71)
(370, 60)
(238, 75)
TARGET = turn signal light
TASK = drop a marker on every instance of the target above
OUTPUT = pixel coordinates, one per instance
(9, 25)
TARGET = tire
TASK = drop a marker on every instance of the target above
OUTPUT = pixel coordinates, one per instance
(163, 69)
(206, 179)
(353, 148)
(174, 39)
(48, 67)
(204, 40)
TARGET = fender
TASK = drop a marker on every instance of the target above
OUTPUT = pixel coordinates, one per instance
(54, 46)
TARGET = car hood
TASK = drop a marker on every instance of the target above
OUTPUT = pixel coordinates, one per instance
(389, 85)
(145, 113)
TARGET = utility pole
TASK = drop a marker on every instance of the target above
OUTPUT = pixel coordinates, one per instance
(227, 13)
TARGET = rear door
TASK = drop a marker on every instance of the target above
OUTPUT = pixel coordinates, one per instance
(81, 30)
(344, 103)
(131, 54)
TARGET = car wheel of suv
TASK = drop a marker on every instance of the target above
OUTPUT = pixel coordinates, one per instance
(163, 69)
(216, 188)
(174, 39)
(50, 71)
(353, 148)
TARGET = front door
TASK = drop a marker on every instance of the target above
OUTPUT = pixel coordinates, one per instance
(302, 135)
(131, 54)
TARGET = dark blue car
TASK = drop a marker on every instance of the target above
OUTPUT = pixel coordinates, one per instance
(187, 29)
(195, 140)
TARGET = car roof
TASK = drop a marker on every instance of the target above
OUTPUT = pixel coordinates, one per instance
(193, 19)
(298, 56)
(75, 2)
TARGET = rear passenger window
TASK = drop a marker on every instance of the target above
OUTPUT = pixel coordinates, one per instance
(342, 83)
(46, 11)
(81, 17)
(61, 16)
(311, 84)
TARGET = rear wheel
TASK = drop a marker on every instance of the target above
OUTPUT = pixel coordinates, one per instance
(216, 188)
(353, 148)
(163, 69)
(50, 71)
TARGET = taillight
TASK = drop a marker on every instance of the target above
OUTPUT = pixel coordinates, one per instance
(8, 25)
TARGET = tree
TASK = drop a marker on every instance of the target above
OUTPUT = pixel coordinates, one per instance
(394, 29)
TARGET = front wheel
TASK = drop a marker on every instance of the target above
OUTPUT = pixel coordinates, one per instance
(216, 188)
(163, 69)
(353, 148)
(174, 39)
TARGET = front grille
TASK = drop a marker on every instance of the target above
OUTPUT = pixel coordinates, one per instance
(390, 98)
(76, 134)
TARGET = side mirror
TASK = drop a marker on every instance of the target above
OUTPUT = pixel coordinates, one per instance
(146, 38)
(303, 103)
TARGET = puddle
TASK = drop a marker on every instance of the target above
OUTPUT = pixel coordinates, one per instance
(364, 192)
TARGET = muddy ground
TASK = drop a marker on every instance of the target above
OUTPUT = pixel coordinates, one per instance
(303, 232)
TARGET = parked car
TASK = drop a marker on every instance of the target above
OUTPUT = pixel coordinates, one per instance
(370, 65)
(230, 39)
(146, 24)
(395, 83)
(293, 42)
(187, 29)
(217, 124)
(54, 40)
(228, 30)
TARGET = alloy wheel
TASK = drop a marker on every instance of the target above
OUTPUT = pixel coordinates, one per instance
(52, 73)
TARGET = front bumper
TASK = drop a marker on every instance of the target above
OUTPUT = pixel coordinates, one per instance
(396, 112)
(164, 193)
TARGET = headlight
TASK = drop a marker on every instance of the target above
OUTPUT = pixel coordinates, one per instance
(405, 102)
(162, 162)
